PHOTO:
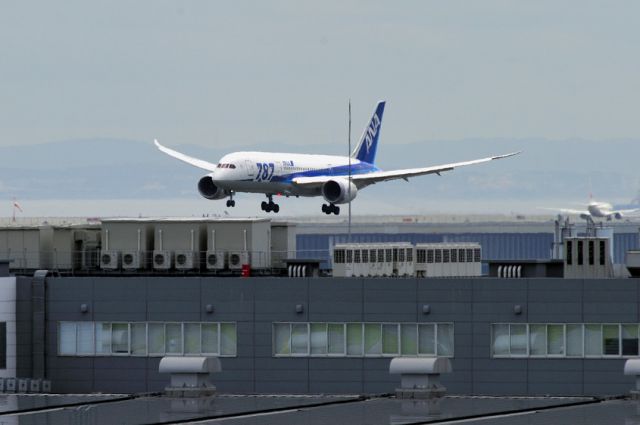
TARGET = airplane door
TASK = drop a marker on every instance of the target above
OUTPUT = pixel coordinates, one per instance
(251, 168)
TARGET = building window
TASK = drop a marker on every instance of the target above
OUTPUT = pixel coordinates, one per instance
(387, 255)
(602, 253)
(469, 255)
(569, 254)
(409, 255)
(556, 340)
(421, 256)
(430, 256)
(365, 255)
(372, 255)
(148, 339)
(349, 256)
(629, 340)
(362, 339)
(580, 253)
(401, 255)
(445, 255)
(461, 256)
(477, 256)
(338, 256)
(438, 256)
(454, 255)
(356, 256)
(591, 253)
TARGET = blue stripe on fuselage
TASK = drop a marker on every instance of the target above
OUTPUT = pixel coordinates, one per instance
(339, 171)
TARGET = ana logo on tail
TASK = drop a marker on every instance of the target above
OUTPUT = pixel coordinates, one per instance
(372, 130)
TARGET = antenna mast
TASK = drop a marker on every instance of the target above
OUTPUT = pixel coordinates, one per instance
(349, 154)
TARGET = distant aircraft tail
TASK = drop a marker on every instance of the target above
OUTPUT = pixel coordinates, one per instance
(366, 149)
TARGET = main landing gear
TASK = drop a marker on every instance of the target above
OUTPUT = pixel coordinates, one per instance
(230, 201)
(270, 206)
(331, 208)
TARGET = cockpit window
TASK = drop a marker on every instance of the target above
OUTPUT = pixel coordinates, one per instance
(226, 166)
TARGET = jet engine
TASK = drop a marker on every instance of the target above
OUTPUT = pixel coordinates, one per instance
(336, 191)
(617, 215)
(209, 190)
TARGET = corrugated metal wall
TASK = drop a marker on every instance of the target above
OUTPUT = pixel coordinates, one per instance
(623, 242)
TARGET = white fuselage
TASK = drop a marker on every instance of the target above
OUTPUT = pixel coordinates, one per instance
(600, 209)
(272, 172)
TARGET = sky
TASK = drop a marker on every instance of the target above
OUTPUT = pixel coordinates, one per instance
(220, 75)
(230, 73)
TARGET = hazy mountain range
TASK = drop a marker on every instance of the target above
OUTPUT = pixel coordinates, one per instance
(131, 169)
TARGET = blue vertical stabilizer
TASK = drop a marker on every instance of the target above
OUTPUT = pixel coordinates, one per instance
(366, 149)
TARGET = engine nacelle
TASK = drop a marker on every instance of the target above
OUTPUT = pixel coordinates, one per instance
(209, 190)
(336, 191)
(618, 215)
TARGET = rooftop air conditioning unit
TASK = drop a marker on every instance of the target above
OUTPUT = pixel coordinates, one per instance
(162, 260)
(216, 260)
(237, 259)
(133, 260)
(187, 260)
(110, 260)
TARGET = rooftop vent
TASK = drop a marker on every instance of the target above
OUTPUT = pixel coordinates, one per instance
(190, 376)
(420, 377)
(632, 367)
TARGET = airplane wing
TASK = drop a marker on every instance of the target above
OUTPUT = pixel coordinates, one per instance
(366, 179)
(630, 211)
(186, 158)
(566, 211)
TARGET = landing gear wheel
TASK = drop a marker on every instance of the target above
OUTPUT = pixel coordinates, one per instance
(270, 206)
(331, 208)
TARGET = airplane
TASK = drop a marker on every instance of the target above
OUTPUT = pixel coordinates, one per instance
(597, 209)
(336, 178)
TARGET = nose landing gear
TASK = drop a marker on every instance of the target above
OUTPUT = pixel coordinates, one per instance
(330, 208)
(270, 206)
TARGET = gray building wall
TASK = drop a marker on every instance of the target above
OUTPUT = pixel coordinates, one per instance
(24, 327)
(255, 303)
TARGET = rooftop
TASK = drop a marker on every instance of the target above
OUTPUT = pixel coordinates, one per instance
(314, 409)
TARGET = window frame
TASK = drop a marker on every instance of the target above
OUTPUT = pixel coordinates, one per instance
(361, 329)
(565, 355)
(95, 325)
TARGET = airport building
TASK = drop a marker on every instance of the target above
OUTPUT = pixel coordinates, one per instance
(104, 325)
(324, 335)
